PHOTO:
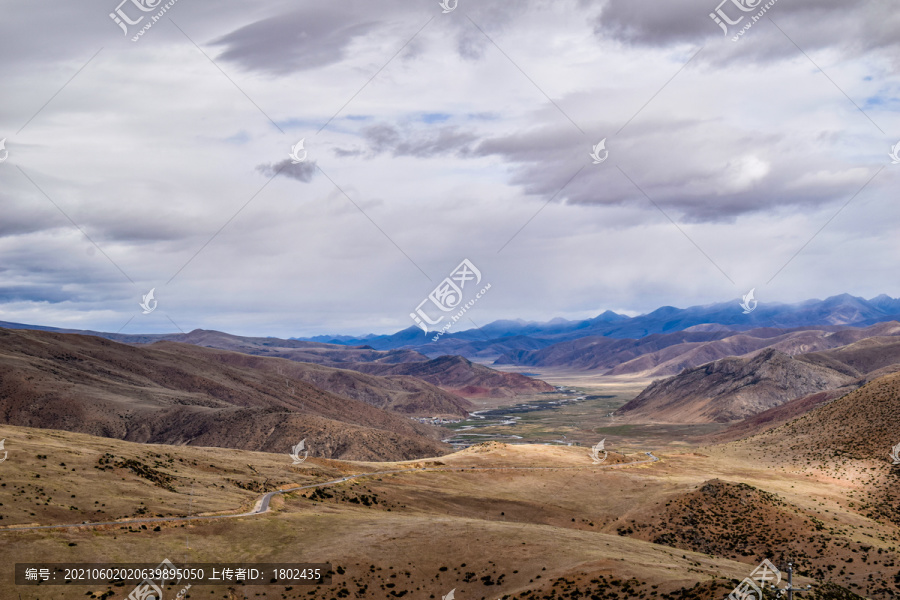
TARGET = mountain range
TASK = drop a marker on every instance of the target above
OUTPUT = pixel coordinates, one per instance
(499, 338)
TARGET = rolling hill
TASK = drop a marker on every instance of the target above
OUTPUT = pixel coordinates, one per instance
(736, 520)
(764, 384)
(862, 425)
(849, 439)
(461, 376)
(299, 350)
(178, 394)
(734, 388)
(397, 393)
(661, 355)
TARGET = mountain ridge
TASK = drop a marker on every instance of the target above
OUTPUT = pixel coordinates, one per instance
(839, 310)
(734, 388)
(739, 388)
(183, 394)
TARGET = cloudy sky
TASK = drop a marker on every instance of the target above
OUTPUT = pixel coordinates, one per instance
(431, 137)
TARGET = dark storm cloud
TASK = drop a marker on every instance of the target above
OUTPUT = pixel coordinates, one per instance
(812, 24)
(312, 37)
(746, 173)
(52, 293)
(727, 173)
(420, 143)
(655, 23)
(286, 168)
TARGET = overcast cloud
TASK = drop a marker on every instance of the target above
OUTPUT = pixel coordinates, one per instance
(434, 137)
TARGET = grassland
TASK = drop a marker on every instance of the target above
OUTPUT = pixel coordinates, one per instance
(556, 532)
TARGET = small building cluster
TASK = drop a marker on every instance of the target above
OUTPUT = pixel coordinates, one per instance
(436, 420)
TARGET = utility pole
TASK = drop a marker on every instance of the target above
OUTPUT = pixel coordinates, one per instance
(790, 589)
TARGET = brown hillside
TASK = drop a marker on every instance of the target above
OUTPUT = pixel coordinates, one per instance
(167, 395)
(406, 395)
(461, 376)
(849, 439)
(603, 353)
(733, 388)
(313, 352)
(739, 521)
(453, 374)
(862, 425)
(864, 356)
(662, 355)
(675, 359)
(777, 415)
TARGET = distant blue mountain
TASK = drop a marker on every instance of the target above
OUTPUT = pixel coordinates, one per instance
(841, 310)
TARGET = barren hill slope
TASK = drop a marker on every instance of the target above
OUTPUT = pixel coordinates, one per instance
(461, 376)
(869, 355)
(168, 395)
(862, 425)
(871, 358)
(601, 353)
(298, 350)
(518, 534)
(850, 438)
(734, 388)
(307, 351)
(777, 415)
(675, 359)
(661, 355)
(403, 394)
(454, 374)
(736, 520)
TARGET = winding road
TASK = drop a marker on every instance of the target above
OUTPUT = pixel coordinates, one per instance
(262, 505)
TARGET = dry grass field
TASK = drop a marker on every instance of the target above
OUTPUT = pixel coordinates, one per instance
(508, 521)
